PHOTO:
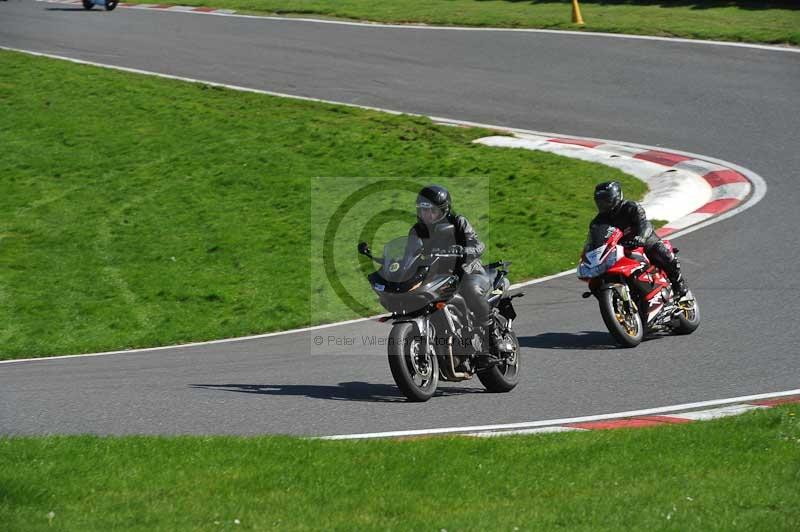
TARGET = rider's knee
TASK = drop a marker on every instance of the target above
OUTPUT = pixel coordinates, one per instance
(471, 285)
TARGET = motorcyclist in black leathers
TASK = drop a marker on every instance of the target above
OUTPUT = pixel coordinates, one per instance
(614, 210)
(434, 212)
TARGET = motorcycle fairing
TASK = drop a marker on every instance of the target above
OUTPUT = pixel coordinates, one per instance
(604, 260)
(597, 261)
(625, 266)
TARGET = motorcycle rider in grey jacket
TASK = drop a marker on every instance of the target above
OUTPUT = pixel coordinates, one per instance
(434, 212)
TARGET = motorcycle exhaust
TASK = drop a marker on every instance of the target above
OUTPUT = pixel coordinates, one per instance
(456, 374)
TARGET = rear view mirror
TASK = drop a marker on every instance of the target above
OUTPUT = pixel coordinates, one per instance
(363, 248)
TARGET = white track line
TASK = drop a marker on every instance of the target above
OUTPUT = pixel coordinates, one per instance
(196, 344)
(564, 421)
(366, 24)
(759, 189)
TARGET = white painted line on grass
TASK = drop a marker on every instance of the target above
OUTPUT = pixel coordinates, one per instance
(564, 421)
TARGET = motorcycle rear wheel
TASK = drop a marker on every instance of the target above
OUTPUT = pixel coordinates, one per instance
(416, 375)
(503, 378)
(624, 325)
(689, 319)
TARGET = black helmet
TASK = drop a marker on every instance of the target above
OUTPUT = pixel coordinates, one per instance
(433, 204)
(608, 196)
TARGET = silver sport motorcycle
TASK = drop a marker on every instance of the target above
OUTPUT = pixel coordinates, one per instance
(434, 334)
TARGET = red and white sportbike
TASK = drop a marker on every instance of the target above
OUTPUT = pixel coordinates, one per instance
(635, 297)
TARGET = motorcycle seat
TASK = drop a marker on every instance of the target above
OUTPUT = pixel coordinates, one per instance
(495, 282)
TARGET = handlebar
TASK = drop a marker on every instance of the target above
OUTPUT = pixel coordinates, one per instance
(497, 264)
(446, 253)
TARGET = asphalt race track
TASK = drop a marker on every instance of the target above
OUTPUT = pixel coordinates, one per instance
(736, 104)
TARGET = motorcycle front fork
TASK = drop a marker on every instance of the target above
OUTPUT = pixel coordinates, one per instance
(627, 300)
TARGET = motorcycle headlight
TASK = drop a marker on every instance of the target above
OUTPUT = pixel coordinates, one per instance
(587, 270)
(584, 270)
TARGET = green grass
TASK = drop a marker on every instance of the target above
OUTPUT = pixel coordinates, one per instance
(732, 474)
(137, 211)
(731, 20)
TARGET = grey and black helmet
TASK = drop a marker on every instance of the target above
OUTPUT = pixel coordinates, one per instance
(433, 204)
(608, 196)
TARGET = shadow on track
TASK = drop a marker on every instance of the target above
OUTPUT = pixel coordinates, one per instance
(345, 391)
(582, 340)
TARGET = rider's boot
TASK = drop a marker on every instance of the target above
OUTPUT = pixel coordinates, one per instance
(497, 345)
(490, 346)
(679, 287)
(673, 270)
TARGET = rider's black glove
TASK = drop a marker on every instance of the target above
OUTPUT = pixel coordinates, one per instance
(637, 241)
(455, 249)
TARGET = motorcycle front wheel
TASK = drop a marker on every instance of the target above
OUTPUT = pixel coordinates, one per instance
(623, 322)
(415, 373)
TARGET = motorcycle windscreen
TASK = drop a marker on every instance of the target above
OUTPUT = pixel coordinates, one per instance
(401, 258)
(594, 265)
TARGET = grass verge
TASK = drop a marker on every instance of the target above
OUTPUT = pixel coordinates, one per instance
(732, 474)
(776, 21)
(137, 211)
